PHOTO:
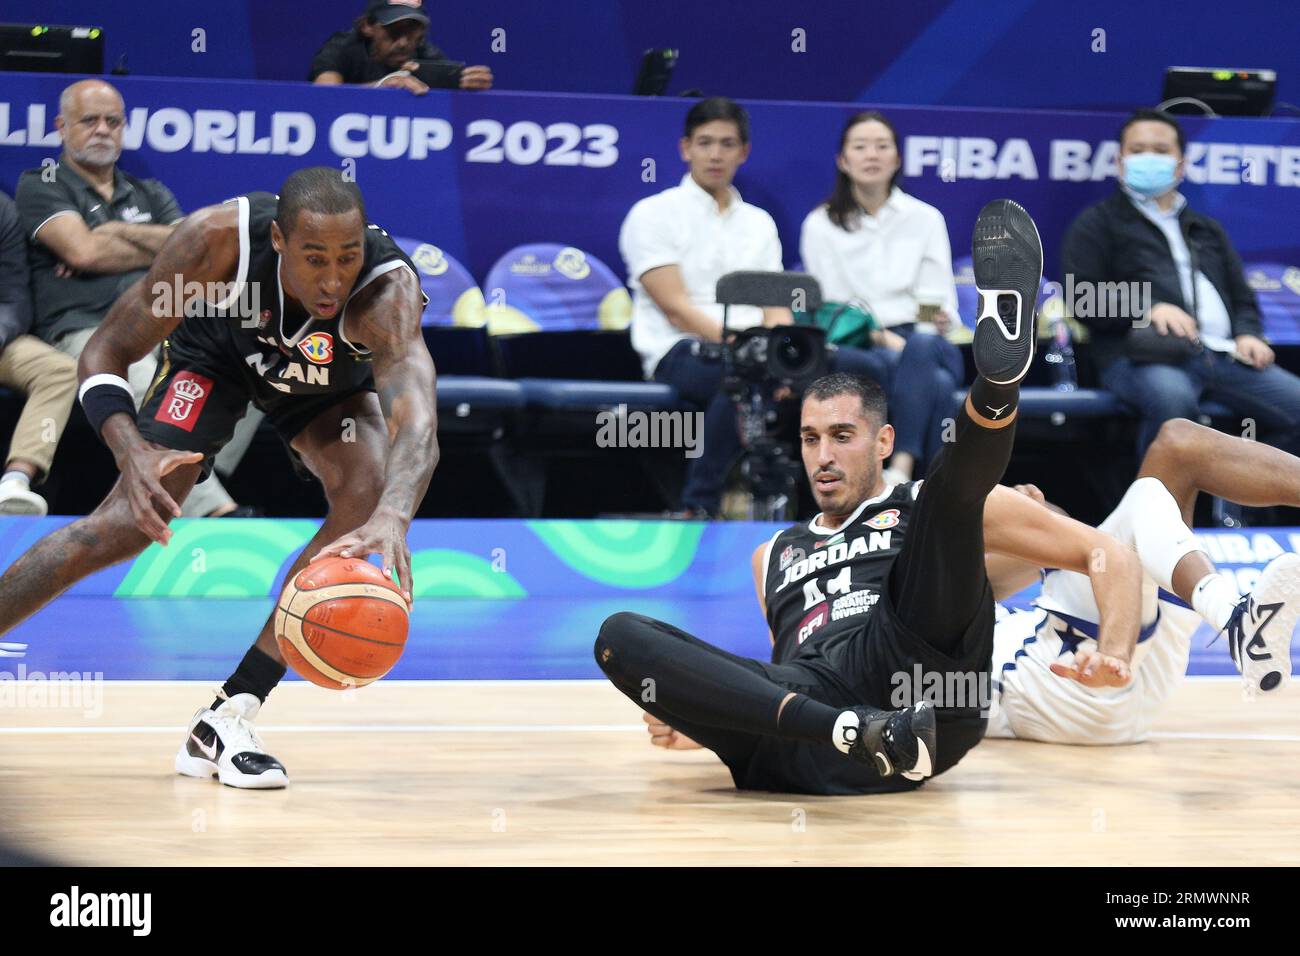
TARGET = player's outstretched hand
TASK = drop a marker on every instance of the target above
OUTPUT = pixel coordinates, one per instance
(661, 735)
(1095, 670)
(384, 534)
(142, 471)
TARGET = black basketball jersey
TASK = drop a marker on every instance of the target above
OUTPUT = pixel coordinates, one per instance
(277, 340)
(820, 583)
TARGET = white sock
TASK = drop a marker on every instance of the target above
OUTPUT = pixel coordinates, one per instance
(19, 476)
(1213, 598)
(846, 730)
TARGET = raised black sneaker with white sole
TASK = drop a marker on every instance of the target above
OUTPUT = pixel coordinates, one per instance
(895, 741)
(223, 744)
(1008, 263)
(1259, 631)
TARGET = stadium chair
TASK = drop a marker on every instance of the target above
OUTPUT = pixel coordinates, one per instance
(1277, 287)
(476, 408)
(559, 318)
(454, 330)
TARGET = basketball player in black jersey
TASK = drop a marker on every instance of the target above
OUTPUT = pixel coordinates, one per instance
(886, 582)
(300, 306)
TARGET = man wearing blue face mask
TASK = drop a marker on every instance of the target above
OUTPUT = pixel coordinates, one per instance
(1192, 329)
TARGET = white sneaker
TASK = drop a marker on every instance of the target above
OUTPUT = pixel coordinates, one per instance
(16, 498)
(222, 743)
(1259, 631)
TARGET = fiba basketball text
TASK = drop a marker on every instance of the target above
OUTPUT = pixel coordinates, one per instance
(956, 689)
(179, 298)
(623, 429)
(57, 690)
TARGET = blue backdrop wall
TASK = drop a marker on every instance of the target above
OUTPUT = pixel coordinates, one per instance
(1029, 53)
(477, 174)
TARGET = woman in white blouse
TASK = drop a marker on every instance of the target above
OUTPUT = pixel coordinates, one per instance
(873, 245)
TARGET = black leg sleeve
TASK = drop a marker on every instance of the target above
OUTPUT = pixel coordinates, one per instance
(701, 686)
(938, 580)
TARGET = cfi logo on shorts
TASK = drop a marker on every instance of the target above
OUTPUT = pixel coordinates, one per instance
(886, 519)
(318, 347)
(184, 401)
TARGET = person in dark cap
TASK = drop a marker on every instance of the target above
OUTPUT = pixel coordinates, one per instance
(386, 47)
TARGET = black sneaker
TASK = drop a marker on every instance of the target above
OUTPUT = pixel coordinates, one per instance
(1259, 631)
(1008, 262)
(899, 741)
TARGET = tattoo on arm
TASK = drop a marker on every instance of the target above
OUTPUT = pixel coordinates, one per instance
(388, 323)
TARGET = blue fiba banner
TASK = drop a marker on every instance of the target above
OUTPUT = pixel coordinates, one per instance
(486, 559)
(494, 599)
(475, 175)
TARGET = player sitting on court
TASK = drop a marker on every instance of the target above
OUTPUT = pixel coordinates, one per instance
(1121, 679)
(886, 580)
(339, 319)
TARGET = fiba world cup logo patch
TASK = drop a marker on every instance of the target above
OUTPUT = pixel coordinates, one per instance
(185, 398)
(318, 347)
(886, 519)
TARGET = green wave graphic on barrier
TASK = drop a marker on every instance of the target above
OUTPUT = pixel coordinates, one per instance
(235, 559)
(624, 554)
(445, 573)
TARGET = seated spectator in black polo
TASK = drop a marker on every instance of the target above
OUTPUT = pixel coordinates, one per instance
(93, 231)
(45, 375)
(386, 46)
(1201, 336)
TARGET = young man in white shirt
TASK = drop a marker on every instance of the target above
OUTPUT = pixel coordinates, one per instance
(676, 245)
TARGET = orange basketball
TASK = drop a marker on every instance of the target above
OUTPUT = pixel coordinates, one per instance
(340, 623)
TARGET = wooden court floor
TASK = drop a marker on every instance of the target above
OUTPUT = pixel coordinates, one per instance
(560, 773)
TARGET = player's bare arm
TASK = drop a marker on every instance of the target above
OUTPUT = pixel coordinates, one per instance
(205, 248)
(387, 322)
(1019, 527)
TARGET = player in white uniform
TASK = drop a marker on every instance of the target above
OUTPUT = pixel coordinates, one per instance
(1035, 649)
(1057, 677)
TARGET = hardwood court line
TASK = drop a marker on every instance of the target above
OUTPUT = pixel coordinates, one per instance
(355, 729)
(510, 729)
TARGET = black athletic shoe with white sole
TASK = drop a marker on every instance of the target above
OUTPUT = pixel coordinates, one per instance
(222, 743)
(1259, 631)
(1008, 263)
(899, 741)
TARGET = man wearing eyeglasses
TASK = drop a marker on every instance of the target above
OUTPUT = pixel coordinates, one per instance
(92, 231)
